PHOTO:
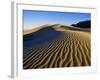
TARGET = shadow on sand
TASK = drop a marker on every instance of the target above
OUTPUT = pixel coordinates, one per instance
(41, 36)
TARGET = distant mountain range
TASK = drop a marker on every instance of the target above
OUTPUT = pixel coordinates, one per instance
(83, 24)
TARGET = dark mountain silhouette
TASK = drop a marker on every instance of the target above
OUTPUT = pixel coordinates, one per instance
(83, 24)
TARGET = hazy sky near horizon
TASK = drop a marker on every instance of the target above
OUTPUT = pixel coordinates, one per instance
(32, 19)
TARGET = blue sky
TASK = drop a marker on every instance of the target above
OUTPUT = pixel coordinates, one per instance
(32, 19)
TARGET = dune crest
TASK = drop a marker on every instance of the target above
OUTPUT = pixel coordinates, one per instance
(35, 29)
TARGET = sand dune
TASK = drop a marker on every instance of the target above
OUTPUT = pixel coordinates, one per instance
(28, 31)
(57, 46)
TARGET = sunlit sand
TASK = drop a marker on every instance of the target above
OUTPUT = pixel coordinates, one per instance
(53, 46)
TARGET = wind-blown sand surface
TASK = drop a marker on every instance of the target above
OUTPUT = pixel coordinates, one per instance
(52, 46)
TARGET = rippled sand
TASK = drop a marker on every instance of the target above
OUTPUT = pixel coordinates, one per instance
(57, 46)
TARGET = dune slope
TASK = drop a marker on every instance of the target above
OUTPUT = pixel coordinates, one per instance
(57, 46)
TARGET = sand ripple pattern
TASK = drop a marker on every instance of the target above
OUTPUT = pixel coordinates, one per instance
(68, 49)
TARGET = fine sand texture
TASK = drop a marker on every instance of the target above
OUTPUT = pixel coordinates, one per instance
(54, 46)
